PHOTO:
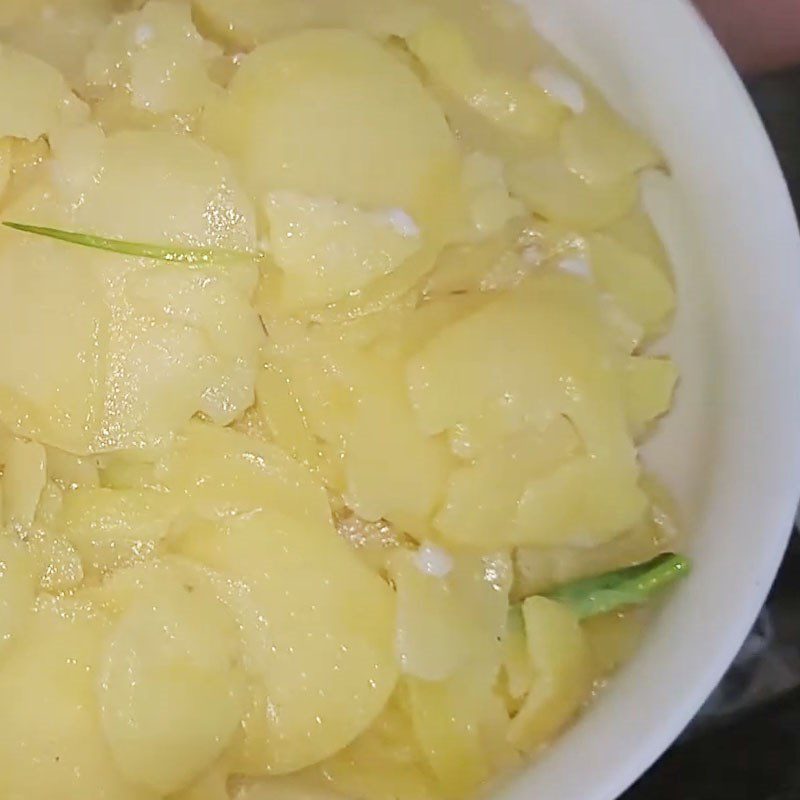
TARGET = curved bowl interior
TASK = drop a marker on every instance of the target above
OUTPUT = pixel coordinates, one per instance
(731, 450)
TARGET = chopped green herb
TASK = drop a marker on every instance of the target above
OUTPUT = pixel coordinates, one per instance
(626, 587)
(179, 255)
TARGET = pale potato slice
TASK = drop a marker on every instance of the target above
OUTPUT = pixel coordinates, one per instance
(112, 528)
(60, 33)
(638, 285)
(613, 638)
(327, 249)
(518, 106)
(530, 356)
(489, 206)
(446, 622)
(16, 591)
(170, 686)
(649, 387)
(219, 473)
(120, 353)
(550, 189)
(51, 742)
(283, 416)
(317, 628)
(586, 502)
(34, 96)
(393, 470)
(24, 477)
(157, 54)
(601, 147)
(244, 24)
(447, 717)
(384, 763)
(330, 113)
(57, 566)
(6, 163)
(482, 498)
(562, 673)
(69, 471)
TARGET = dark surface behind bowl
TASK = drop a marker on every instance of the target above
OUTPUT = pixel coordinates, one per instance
(745, 743)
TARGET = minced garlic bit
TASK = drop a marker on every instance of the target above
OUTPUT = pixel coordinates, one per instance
(433, 560)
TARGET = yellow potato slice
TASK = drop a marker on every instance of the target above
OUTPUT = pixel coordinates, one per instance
(35, 97)
(317, 629)
(157, 54)
(613, 638)
(16, 591)
(482, 498)
(327, 250)
(601, 147)
(445, 622)
(113, 528)
(384, 763)
(562, 673)
(51, 743)
(330, 113)
(59, 33)
(550, 189)
(119, 353)
(24, 478)
(171, 688)
(217, 473)
(518, 106)
(532, 355)
(649, 387)
(393, 471)
(283, 416)
(447, 718)
(638, 285)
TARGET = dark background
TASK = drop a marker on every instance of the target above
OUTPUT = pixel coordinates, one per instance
(745, 743)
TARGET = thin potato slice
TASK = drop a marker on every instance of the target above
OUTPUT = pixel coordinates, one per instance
(171, 688)
(317, 630)
(16, 591)
(520, 107)
(562, 672)
(329, 113)
(550, 189)
(649, 387)
(51, 742)
(328, 250)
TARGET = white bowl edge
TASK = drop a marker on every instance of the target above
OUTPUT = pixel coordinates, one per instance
(731, 451)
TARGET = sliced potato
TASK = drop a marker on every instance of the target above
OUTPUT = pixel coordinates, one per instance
(317, 629)
(649, 387)
(393, 471)
(51, 743)
(157, 54)
(550, 189)
(518, 106)
(171, 688)
(35, 97)
(329, 113)
(219, 473)
(16, 591)
(328, 249)
(447, 718)
(385, 762)
(446, 622)
(637, 284)
(562, 673)
(116, 528)
(601, 147)
(24, 478)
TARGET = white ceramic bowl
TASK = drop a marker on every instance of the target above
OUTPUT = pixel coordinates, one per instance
(731, 450)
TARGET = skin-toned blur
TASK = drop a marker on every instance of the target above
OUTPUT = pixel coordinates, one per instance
(760, 35)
